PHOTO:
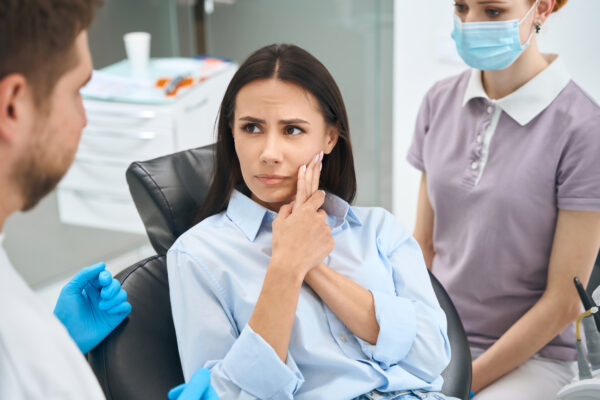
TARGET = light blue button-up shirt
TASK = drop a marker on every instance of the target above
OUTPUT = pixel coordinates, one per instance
(216, 271)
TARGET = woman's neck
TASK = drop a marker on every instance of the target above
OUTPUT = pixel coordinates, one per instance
(270, 206)
(500, 83)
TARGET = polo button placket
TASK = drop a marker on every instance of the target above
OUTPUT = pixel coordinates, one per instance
(484, 138)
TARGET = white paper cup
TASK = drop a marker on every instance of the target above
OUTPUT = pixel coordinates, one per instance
(137, 46)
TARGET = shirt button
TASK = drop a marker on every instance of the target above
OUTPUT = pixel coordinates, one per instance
(343, 338)
(479, 139)
(474, 165)
(490, 109)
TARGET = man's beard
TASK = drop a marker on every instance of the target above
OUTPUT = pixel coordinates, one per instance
(38, 173)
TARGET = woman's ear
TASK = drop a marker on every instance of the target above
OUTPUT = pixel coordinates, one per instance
(331, 138)
(544, 9)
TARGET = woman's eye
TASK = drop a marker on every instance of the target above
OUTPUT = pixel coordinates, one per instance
(293, 130)
(251, 128)
(493, 12)
(460, 8)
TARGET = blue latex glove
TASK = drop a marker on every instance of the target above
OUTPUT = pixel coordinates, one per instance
(198, 388)
(91, 305)
(471, 394)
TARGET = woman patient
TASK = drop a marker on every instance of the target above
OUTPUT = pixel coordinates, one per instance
(284, 290)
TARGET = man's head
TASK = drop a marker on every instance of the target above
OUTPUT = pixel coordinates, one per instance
(44, 61)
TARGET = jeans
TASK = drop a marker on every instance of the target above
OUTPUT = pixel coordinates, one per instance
(403, 395)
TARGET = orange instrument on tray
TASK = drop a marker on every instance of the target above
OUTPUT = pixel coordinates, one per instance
(172, 85)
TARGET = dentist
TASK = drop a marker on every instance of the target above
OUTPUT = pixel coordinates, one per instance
(44, 61)
(509, 203)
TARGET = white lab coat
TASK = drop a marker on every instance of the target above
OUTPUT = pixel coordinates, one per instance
(38, 358)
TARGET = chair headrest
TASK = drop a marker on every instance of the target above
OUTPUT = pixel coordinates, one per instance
(168, 190)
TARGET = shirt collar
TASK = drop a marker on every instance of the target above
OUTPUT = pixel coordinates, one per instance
(525, 103)
(338, 211)
(249, 216)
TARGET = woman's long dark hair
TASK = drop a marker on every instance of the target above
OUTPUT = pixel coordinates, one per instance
(287, 63)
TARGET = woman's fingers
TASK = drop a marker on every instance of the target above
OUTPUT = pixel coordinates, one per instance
(285, 210)
(315, 201)
(301, 186)
(310, 172)
(308, 179)
(322, 214)
(317, 173)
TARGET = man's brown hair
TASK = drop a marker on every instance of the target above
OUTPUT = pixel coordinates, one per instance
(37, 39)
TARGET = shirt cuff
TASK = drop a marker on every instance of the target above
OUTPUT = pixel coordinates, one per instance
(579, 203)
(254, 367)
(397, 329)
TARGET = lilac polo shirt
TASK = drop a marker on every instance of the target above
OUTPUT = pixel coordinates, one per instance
(497, 173)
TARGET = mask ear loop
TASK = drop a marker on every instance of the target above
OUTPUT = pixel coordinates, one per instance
(529, 12)
(537, 25)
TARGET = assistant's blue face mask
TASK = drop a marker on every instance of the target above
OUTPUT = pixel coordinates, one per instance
(489, 45)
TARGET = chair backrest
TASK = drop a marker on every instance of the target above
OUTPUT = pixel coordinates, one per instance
(139, 360)
(167, 191)
(458, 374)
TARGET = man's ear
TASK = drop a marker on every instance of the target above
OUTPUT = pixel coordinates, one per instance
(331, 137)
(13, 104)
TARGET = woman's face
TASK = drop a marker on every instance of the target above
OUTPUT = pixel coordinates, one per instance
(277, 127)
(497, 10)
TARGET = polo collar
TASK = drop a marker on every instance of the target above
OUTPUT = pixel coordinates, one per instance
(525, 103)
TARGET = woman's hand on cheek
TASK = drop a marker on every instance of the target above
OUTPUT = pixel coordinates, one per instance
(309, 183)
(301, 236)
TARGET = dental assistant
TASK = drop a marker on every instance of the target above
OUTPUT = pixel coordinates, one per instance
(509, 203)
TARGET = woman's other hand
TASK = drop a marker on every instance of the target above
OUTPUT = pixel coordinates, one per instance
(301, 236)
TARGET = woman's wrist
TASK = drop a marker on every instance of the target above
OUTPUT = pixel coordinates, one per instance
(314, 273)
(285, 272)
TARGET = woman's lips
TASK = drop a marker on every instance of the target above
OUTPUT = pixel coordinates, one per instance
(271, 180)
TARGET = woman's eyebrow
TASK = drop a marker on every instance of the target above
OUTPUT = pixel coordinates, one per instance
(281, 121)
(252, 119)
(498, 2)
(293, 121)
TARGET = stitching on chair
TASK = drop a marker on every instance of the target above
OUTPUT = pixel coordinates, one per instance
(141, 264)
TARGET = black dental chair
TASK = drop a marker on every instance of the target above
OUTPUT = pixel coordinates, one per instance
(140, 360)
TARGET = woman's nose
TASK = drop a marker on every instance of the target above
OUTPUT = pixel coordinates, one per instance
(271, 151)
(471, 16)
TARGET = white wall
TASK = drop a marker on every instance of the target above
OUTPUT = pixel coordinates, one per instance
(424, 53)
(421, 31)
